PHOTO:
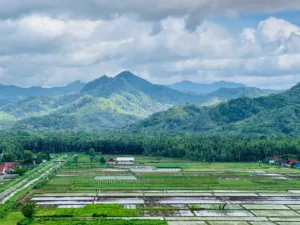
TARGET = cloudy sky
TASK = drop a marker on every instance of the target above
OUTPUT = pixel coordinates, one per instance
(52, 43)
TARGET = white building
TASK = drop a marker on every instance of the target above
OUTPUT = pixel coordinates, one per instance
(125, 160)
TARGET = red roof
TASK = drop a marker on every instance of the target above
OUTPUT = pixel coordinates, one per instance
(293, 160)
(11, 164)
(2, 169)
(111, 160)
(275, 158)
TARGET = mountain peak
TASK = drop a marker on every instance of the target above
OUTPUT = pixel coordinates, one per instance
(126, 74)
(295, 89)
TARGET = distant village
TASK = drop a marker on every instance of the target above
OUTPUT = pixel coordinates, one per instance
(280, 161)
(121, 161)
(11, 169)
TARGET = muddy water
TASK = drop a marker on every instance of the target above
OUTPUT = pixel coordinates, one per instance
(166, 213)
(167, 200)
(71, 198)
(184, 200)
(63, 202)
(234, 213)
(70, 206)
(120, 201)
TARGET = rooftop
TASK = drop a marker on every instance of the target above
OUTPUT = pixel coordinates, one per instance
(125, 159)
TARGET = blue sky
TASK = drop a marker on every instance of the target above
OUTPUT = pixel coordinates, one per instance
(236, 24)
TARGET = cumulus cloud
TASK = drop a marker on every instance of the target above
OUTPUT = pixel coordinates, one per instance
(46, 43)
(150, 10)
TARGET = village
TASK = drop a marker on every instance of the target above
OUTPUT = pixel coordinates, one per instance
(282, 161)
(10, 170)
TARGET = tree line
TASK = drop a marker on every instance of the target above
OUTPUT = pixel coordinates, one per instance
(198, 147)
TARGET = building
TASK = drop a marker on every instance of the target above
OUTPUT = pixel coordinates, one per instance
(9, 166)
(274, 159)
(291, 162)
(111, 161)
(2, 171)
(298, 165)
(125, 160)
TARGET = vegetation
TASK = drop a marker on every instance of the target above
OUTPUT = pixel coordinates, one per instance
(198, 147)
(275, 114)
(29, 209)
(100, 222)
(104, 103)
(89, 211)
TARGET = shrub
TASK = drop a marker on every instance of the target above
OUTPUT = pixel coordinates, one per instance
(29, 209)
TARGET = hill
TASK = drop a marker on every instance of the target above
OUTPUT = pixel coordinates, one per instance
(189, 86)
(277, 113)
(128, 83)
(11, 93)
(107, 103)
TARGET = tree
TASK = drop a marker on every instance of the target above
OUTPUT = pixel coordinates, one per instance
(8, 157)
(76, 159)
(39, 158)
(27, 157)
(102, 160)
(29, 209)
(92, 158)
(20, 171)
(92, 152)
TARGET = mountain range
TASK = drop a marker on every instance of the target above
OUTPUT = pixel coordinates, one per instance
(104, 103)
(189, 86)
(11, 93)
(273, 114)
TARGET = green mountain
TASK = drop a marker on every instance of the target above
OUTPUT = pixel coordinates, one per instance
(224, 94)
(128, 83)
(189, 86)
(277, 113)
(107, 103)
(11, 93)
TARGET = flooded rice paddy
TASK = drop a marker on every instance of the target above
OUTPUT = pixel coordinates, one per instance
(178, 196)
(240, 207)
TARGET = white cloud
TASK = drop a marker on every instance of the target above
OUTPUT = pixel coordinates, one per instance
(273, 29)
(43, 50)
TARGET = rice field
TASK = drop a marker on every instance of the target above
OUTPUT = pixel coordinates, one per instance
(169, 191)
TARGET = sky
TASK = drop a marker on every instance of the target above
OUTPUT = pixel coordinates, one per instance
(52, 43)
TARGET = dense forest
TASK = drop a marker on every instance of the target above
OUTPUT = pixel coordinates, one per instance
(184, 145)
(268, 115)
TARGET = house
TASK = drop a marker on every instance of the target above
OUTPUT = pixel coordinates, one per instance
(111, 161)
(274, 159)
(9, 166)
(125, 160)
(2, 171)
(298, 165)
(291, 162)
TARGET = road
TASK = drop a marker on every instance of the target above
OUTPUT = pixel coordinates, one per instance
(10, 192)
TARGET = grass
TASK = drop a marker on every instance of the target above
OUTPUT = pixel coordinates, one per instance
(99, 222)
(211, 179)
(89, 211)
(12, 218)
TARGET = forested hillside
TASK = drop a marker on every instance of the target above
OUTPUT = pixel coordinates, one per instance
(277, 113)
(11, 93)
(105, 103)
